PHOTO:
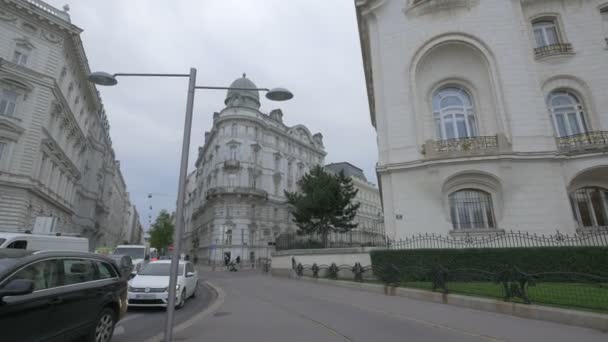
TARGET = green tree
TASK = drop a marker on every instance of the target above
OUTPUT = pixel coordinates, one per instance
(161, 233)
(323, 203)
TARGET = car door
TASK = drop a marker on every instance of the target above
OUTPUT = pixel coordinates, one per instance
(31, 317)
(79, 305)
(190, 281)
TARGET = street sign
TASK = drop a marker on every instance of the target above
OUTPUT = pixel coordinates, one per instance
(170, 248)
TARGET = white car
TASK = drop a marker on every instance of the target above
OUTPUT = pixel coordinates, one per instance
(150, 287)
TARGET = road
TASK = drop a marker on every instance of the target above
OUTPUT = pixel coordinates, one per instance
(259, 307)
(142, 323)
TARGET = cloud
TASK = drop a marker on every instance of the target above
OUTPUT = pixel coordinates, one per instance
(308, 46)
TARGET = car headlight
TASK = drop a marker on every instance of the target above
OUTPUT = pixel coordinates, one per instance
(177, 287)
(130, 289)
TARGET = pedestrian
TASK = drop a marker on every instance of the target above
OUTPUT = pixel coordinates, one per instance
(187, 257)
(238, 259)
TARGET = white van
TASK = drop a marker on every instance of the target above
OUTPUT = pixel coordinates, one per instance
(43, 242)
(138, 253)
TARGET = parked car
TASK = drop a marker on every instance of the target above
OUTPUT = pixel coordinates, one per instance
(43, 242)
(138, 253)
(124, 263)
(150, 286)
(59, 296)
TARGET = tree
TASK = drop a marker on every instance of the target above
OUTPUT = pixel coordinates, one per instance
(161, 233)
(324, 203)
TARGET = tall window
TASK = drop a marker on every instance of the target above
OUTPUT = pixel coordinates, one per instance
(567, 113)
(228, 237)
(590, 206)
(471, 209)
(545, 32)
(8, 102)
(233, 152)
(21, 54)
(454, 113)
(2, 148)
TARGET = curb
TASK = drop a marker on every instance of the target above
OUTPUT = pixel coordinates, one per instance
(219, 301)
(583, 319)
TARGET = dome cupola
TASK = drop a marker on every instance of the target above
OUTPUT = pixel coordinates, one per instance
(244, 94)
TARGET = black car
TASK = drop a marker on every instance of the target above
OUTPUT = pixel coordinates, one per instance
(59, 296)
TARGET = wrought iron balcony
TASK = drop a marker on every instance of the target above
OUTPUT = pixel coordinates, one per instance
(473, 145)
(553, 50)
(585, 142)
(236, 190)
(232, 164)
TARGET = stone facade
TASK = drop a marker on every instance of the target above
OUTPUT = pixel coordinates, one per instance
(369, 216)
(490, 114)
(248, 159)
(56, 156)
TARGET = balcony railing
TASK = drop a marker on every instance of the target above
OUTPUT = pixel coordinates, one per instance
(50, 9)
(590, 141)
(552, 50)
(239, 190)
(473, 144)
(232, 164)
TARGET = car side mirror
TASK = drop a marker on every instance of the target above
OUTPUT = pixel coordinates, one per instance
(189, 274)
(17, 287)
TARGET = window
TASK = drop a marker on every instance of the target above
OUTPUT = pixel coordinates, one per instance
(44, 274)
(228, 237)
(105, 271)
(78, 271)
(21, 54)
(2, 147)
(471, 209)
(8, 103)
(19, 244)
(454, 114)
(590, 206)
(545, 32)
(231, 180)
(189, 268)
(277, 161)
(234, 130)
(567, 113)
(233, 152)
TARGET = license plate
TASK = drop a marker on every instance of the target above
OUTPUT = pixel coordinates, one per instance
(145, 296)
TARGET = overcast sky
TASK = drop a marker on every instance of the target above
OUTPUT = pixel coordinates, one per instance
(308, 46)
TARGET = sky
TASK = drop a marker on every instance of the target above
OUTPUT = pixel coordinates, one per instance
(310, 47)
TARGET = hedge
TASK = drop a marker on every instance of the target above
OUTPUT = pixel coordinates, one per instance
(590, 260)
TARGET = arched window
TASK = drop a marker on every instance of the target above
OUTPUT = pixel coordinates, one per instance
(454, 113)
(567, 112)
(471, 209)
(590, 206)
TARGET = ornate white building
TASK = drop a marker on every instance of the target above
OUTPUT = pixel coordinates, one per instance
(490, 114)
(369, 217)
(56, 156)
(249, 158)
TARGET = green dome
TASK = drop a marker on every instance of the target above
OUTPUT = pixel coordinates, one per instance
(240, 97)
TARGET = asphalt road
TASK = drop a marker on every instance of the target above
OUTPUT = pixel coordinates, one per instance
(259, 307)
(142, 323)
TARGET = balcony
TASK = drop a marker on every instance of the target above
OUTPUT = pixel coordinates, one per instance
(461, 147)
(553, 50)
(236, 190)
(586, 142)
(232, 164)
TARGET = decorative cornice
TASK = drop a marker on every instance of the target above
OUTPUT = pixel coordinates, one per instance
(53, 150)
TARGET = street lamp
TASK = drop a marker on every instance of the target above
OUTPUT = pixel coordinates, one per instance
(106, 79)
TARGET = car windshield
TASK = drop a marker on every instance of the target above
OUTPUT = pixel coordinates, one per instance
(160, 269)
(133, 252)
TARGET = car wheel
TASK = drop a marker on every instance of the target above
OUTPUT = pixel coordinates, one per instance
(104, 327)
(182, 300)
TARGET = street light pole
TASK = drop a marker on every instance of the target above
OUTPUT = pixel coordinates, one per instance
(106, 79)
(181, 189)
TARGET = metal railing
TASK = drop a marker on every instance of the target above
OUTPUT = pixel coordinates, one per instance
(583, 142)
(288, 241)
(501, 239)
(232, 164)
(485, 143)
(553, 49)
(236, 189)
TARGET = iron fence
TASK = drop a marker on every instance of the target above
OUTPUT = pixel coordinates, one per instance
(287, 241)
(500, 239)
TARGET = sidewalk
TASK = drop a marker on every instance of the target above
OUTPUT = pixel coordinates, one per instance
(259, 307)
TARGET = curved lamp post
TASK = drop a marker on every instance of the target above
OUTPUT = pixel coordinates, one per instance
(106, 79)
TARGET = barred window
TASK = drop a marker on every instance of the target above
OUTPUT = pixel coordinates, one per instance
(567, 113)
(590, 206)
(454, 113)
(471, 209)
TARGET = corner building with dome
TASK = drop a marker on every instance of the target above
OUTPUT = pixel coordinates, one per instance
(248, 159)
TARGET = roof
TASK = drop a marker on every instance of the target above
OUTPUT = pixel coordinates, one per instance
(349, 170)
(243, 83)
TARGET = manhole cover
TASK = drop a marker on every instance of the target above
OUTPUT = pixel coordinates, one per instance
(220, 314)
